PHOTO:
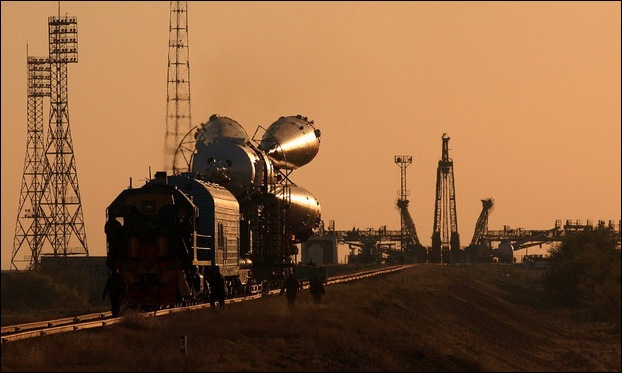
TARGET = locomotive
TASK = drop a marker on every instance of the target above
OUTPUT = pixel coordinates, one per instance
(234, 211)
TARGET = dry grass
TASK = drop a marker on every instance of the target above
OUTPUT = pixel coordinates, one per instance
(428, 318)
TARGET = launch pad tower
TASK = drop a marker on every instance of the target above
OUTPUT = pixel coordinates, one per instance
(445, 238)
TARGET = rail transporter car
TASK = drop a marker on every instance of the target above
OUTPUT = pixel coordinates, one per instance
(234, 211)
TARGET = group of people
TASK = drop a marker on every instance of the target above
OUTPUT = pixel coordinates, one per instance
(292, 285)
(213, 285)
(209, 286)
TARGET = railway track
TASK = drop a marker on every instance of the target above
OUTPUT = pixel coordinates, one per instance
(13, 333)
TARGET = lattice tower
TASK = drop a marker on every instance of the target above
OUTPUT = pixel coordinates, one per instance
(31, 227)
(67, 233)
(445, 235)
(177, 151)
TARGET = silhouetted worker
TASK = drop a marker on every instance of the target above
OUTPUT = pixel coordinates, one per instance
(217, 289)
(290, 288)
(237, 287)
(317, 289)
(115, 288)
(115, 235)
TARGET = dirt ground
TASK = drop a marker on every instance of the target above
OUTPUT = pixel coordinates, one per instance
(426, 318)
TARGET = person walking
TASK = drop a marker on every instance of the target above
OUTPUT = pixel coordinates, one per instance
(290, 288)
(115, 289)
(317, 289)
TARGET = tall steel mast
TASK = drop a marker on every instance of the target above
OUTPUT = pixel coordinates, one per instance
(66, 223)
(177, 152)
(31, 227)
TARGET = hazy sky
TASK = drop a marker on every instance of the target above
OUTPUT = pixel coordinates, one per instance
(529, 93)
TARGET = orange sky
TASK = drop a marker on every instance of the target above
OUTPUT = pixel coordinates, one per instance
(529, 93)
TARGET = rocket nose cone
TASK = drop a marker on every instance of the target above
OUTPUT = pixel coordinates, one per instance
(291, 142)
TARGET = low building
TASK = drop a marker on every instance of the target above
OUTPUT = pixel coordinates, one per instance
(321, 249)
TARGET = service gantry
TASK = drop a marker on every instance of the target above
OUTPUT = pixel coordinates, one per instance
(412, 249)
(481, 227)
(408, 230)
(445, 236)
(479, 250)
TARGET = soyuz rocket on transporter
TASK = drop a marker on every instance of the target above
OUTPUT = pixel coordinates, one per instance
(275, 212)
(234, 212)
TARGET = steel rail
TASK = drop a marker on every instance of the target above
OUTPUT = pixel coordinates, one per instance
(96, 320)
